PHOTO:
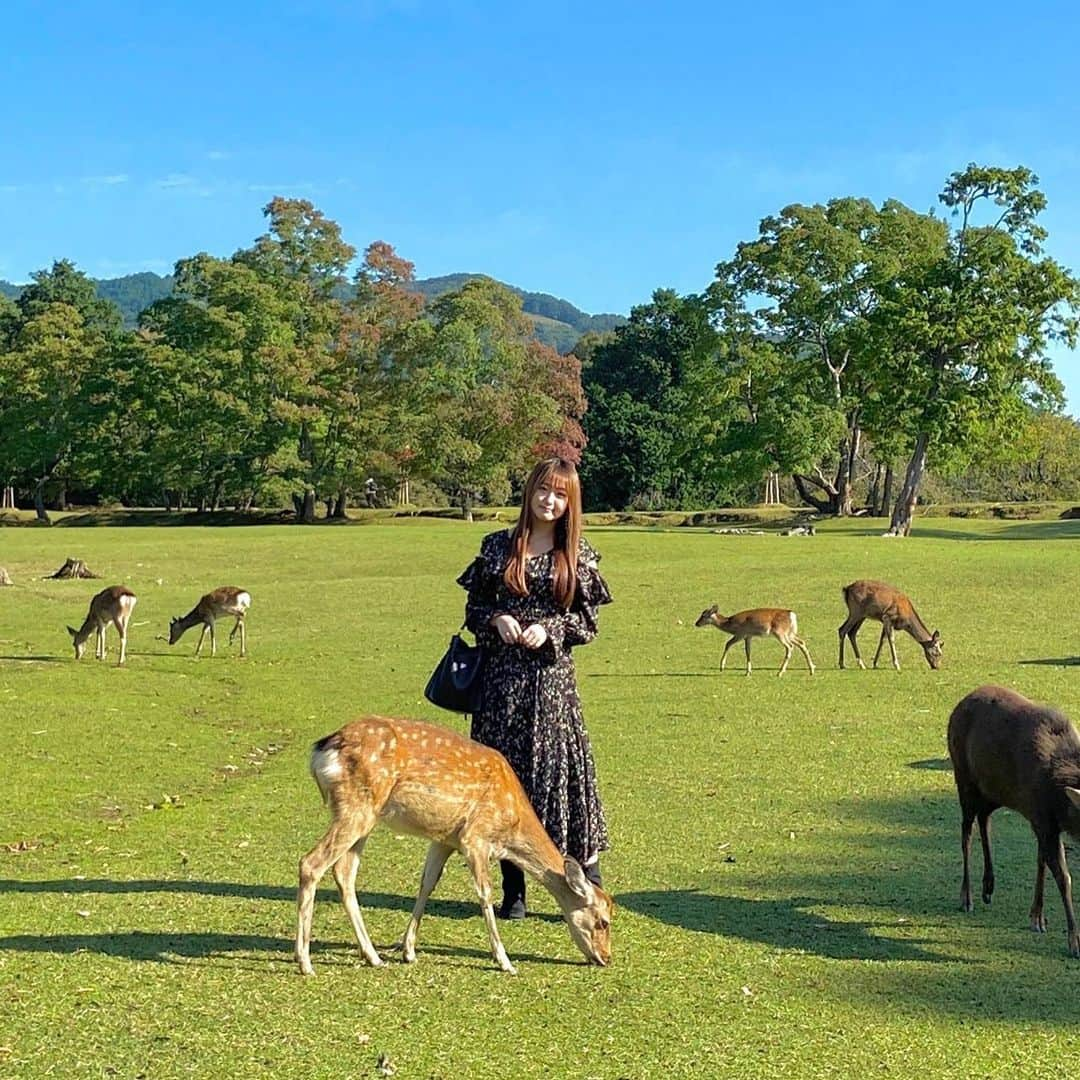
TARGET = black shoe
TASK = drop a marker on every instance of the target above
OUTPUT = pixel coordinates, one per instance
(513, 909)
(592, 874)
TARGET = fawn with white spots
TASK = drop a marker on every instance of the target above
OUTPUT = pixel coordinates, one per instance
(112, 605)
(219, 604)
(428, 781)
(758, 622)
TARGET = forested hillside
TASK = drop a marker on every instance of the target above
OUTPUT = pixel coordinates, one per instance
(557, 323)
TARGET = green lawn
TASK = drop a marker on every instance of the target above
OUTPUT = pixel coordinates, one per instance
(785, 852)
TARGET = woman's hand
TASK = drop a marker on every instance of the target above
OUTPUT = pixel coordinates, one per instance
(534, 636)
(508, 628)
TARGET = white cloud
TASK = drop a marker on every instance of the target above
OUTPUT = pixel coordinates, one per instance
(176, 180)
(218, 155)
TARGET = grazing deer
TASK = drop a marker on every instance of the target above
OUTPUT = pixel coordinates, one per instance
(428, 781)
(221, 603)
(112, 605)
(1009, 751)
(876, 600)
(758, 622)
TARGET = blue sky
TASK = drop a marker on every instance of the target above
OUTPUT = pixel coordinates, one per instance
(593, 150)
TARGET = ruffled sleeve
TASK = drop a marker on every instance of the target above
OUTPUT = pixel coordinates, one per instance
(481, 581)
(578, 625)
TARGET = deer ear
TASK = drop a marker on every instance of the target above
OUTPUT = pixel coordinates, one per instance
(1074, 796)
(72, 631)
(575, 878)
(936, 636)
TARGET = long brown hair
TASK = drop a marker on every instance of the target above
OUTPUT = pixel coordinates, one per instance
(560, 473)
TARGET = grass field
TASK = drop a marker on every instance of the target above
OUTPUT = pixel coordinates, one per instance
(785, 852)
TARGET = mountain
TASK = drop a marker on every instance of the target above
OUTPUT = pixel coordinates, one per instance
(558, 323)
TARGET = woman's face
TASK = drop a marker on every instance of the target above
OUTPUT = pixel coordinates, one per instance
(548, 502)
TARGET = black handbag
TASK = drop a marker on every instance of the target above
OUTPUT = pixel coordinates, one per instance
(455, 682)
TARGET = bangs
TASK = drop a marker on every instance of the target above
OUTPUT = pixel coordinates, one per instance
(556, 477)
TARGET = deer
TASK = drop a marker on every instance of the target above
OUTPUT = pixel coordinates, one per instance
(758, 622)
(221, 603)
(112, 605)
(889, 606)
(1009, 751)
(424, 780)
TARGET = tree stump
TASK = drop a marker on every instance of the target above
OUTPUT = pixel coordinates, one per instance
(5, 577)
(73, 568)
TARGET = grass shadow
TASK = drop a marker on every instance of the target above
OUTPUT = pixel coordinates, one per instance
(1064, 661)
(932, 764)
(780, 923)
(37, 659)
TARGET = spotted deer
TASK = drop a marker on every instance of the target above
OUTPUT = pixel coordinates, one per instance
(428, 781)
(889, 606)
(758, 622)
(112, 605)
(219, 604)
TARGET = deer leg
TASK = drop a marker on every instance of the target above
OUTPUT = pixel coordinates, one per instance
(1054, 853)
(968, 821)
(478, 864)
(746, 643)
(202, 636)
(892, 647)
(340, 837)
(806, 652)
(988, 862)
(1038, 919)
(789, 648)
(121, 627)
(880, 644)
(345, 870)
(433, 868)
(843, 634)
(243, 638)
(723, 656)
(852, 632)
(213, 640)
(99, 642)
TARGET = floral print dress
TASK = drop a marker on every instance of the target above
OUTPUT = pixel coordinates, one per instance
(529, 706)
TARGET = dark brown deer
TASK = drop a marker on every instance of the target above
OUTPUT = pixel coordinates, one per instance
(1009, 751)
(112, 605)
(758, 622)
(219, 604)
(429, 781)
(889, 606)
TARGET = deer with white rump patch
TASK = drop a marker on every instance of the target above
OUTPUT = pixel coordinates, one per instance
(112, 605)
(889, 606)
(758, 622)
(428, 781)
(1009, 751)
(219, 604)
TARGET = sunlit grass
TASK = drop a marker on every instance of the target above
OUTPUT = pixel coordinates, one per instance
(785, 852)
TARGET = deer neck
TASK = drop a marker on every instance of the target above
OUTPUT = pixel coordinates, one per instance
(533, 850)
(192, 618)
(88, 627)
(917, 628)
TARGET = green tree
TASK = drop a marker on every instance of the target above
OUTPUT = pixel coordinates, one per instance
(968, 330)
(478, 410)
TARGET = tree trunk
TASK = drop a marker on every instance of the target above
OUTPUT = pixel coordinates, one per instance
(73, 568)
(904, 511)
(8, 501)
(886, 492)
(328, 502)
(875, 489)
(822, 505)
(61, 498)
(341, 505)
(39, 503)
(306, 507)
(467, 505)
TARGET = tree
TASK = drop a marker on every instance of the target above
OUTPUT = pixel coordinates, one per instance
(969, 329)
(636, 383)
(477, 409)
(820, 270)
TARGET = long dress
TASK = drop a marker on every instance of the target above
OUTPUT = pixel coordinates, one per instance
(529, 706)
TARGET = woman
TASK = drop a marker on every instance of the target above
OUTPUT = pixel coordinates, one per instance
(534, 591)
